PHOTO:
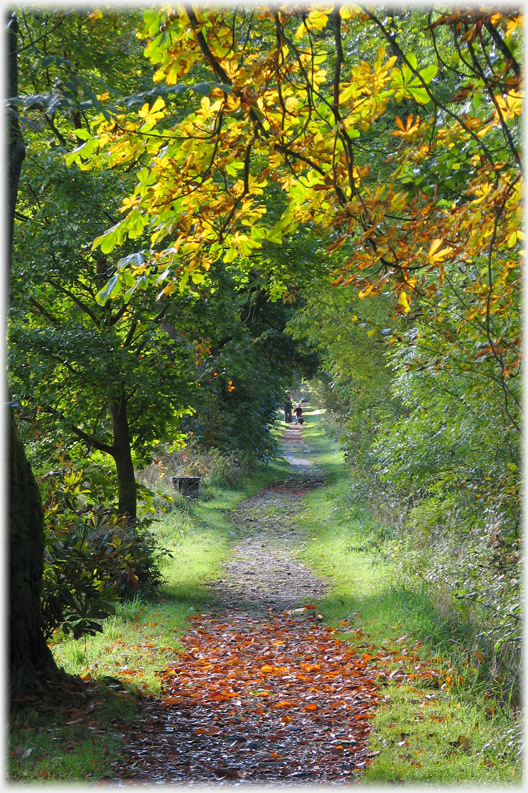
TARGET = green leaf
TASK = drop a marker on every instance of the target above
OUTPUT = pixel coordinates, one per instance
(82, 134)
(104, 294)
(413, 60)
(420, 95)
(428, 73)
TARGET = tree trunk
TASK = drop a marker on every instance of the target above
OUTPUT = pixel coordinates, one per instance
(29, 655)
(123, 459)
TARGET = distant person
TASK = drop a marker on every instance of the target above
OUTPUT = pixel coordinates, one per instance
(288, 408)
(298, 413)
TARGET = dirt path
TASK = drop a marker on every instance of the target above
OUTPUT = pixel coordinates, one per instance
(265, 692)
(265, 571)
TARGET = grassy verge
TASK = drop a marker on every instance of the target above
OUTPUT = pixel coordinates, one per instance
(432, 726)
(77, 742)
(430, 729)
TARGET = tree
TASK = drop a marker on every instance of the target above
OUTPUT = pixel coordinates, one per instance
(295, 105)
(107, 376)
(244, 371)
(426, 206)
(29, 656)
(401, 166)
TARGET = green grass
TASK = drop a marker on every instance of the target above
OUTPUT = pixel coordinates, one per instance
(199, 535)
(366, 593)
(143, 637)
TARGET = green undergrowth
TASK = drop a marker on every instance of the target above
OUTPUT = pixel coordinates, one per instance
(436, 728)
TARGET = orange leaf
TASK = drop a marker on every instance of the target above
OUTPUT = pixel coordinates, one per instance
(310, 667)
(311, 706)
(366, 657)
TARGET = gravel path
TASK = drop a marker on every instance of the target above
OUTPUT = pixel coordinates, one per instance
(265, 570)
(264, 691)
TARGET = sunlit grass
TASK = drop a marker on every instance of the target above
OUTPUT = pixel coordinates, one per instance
(138, 642)
(366, 593)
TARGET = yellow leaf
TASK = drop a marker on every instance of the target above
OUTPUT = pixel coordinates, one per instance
(366, 292)
(434, 246)
(435, 256)
(348, 12)
(318, 19)
(170, 288)
(301, 30)
(159, 104)
(404, 302)
(350, 92)
(514, 23)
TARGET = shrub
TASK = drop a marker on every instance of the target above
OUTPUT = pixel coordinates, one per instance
(92, 559)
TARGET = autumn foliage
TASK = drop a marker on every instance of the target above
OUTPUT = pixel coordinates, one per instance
(291, 101)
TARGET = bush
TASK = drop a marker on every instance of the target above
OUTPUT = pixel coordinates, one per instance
(91, 559)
